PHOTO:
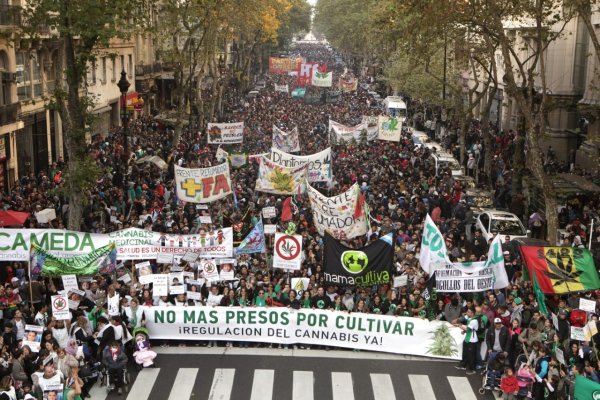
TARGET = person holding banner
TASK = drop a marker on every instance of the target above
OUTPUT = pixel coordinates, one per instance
(469, 326)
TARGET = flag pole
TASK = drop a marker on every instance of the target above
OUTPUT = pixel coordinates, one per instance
(30, 285)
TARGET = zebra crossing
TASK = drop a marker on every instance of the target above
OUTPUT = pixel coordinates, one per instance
(219, 384)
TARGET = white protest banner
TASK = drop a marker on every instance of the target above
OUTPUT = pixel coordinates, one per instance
(60, 307)
(203, 185)
(448, 278)
(300, 285)
(15, 244)
(371, 123)
(433, 247)
(319, 164)
(269, 212)
(156, 160)
(209, 270)
(278, 179)
(225, 133)
(577, 333)
(134, 243)
(221, 155)
(321, 79)
(390, 128)
(281, 88)
(270, 229)
(587, 305)
(286, 141)
(70, 282)
(160, 285)
(336, 214)
(288, 251)
(343, 133)
(384, 333)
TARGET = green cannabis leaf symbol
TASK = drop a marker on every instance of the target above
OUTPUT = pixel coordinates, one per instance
(288, 248)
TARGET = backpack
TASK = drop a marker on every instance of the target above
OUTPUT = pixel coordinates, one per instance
(481, 325)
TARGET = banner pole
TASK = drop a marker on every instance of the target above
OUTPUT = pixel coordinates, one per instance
(591, 234)
(30, 285)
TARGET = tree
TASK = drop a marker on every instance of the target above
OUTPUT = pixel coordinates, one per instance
(79, 29)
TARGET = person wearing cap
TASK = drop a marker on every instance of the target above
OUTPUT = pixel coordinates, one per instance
(497, 339)
(517, 309)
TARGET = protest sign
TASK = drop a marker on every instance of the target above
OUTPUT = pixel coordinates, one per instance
(70, 282)
(270, 229)
(300, 285)
(393, 334)
(286, 141)
(278, 179)
(319, 164)
(209, 270)
(287, 253)
(60, 307)
(587, 305)
(390, 128)
(203, 185)
(343, 133)
(226, 133)
(160, 285)
(269, 212)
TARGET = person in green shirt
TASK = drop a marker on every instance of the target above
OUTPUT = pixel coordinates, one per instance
(260, 300)
(469, 325)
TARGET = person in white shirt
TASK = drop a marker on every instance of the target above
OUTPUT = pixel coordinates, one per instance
(214, 298)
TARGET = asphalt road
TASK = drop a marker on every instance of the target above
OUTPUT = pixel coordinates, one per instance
(265, 374)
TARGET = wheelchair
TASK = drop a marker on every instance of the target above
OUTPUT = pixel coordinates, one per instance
(104, 379)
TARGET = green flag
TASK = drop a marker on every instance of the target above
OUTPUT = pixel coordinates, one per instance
(102, 260)
(586, 389)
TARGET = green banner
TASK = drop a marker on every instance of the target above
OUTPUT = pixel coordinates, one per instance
(102, 260)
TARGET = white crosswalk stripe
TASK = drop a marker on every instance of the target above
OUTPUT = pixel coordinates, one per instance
(421, 387)
(184, 384)
(383, 389)
(142, 387)
(341, 384)
(222, 384)
(262, 386)
(303, 386)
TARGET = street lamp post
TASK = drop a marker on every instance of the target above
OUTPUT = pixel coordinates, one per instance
(123, 85)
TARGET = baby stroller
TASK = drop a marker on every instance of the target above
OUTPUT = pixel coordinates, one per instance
(493, 372)
(144, 357)
(525, 379)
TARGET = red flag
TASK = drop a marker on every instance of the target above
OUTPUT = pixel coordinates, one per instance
(286, 209)
(358, 211)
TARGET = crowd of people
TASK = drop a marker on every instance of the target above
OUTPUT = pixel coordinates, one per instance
(401, 187)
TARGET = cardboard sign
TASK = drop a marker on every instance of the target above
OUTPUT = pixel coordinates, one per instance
(190, 257)
(125, 279)
(60, 307)
(270, 229)
(177, 289)
(269, 212)
(560, 356)
(164, 258)
(205, 219)
(577, 333)
(194, 295)
(400, 281)
(160, 285)
(70, 282)
(587, 305)
(146, 279)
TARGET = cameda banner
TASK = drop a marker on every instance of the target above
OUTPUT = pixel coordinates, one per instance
(225, 133)
(203, 185)
(279, 179)
(286, 141)
(345, 133)
(131, 243)
(383, 333)
(283, 65)
(389, 129)
(337, 214)
(365, 266)
(319, 164)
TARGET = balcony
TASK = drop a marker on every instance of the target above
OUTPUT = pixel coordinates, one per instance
(148, 69)
(10, 15)
(9, 113)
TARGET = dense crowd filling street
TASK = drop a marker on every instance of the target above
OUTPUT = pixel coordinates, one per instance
(377, 239)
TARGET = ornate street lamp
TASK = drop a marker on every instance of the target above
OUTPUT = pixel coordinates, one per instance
(123, 85)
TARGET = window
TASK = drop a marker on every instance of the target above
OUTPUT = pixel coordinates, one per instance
(23, 76)
(122, 64)
(114, 70)
(4, 84)
(91, 73)
(36, 70)
(103, 76)
(130, 66)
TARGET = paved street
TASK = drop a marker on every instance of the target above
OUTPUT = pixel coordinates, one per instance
(264, 374)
